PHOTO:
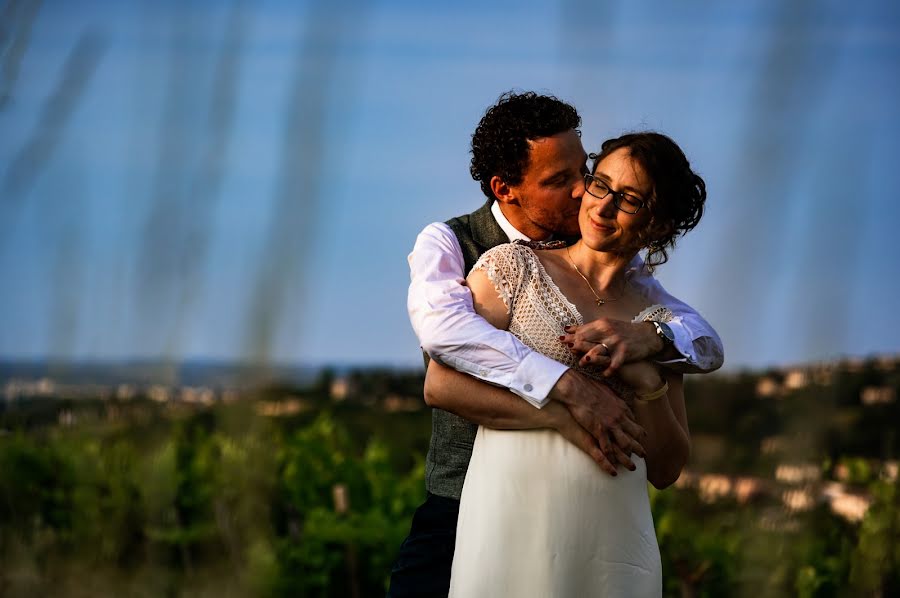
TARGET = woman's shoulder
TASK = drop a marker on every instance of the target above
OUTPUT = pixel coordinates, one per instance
(514, 262)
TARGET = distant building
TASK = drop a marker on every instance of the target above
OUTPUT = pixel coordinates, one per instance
(887, 363)
(159, 393)
(854, 364)
(340, 389)
(198, 394)
(798, 499)
(798, 473)
(875, 395)
(796, 379)
(773, 444)
(746, 489)
(850, 506)
(126, 392)
(767, 387)
(291, 406)
(393, 403)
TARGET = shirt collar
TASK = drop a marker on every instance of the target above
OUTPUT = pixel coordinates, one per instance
(636, 265)
(511, 231)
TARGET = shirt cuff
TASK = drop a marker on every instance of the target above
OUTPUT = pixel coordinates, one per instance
(535, 377)
(684, 345)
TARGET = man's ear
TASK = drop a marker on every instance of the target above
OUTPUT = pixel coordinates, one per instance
(502, 191)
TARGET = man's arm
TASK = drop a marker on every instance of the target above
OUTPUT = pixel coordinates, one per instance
(592, 404)
(497, 408)
(443, 317)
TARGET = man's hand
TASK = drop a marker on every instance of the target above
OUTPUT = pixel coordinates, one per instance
(608, 343)
(605, 416)
(560, 419)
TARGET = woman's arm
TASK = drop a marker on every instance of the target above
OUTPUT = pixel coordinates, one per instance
(668, 443)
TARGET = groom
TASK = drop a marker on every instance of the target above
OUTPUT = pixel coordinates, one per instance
(527, 156)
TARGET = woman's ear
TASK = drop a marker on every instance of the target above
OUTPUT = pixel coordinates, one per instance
(657, 231)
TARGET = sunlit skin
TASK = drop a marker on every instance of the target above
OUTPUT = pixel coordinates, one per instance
(608, 244)
(606, 229)
(547, 200)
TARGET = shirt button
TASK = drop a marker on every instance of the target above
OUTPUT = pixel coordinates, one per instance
(528, 388)
(483, 372)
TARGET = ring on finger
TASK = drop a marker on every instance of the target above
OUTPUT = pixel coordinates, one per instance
(606, 348)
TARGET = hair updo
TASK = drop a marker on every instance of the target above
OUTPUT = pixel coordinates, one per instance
(677, 194)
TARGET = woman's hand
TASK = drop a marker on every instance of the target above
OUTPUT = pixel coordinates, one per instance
(643, 377)
(608, 343)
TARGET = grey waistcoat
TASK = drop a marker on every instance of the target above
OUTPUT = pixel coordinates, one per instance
(452, 437)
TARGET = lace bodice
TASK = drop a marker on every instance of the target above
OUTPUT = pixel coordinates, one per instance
(538, 310)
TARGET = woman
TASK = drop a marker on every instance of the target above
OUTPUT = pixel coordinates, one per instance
(537, 516)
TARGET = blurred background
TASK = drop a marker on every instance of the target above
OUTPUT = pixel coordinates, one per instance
(192, 193)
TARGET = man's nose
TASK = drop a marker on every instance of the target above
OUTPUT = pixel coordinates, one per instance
(578, 190)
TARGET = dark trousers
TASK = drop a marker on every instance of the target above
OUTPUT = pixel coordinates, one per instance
(423, 566)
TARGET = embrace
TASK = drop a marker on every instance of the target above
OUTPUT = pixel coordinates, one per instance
(556, 363)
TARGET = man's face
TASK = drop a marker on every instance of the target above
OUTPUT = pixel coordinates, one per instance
(549, 197)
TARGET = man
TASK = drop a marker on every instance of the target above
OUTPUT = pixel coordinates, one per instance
(527, 156)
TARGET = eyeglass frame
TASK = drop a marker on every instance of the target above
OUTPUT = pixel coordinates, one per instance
(618, 196)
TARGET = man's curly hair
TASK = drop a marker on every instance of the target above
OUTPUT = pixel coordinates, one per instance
(678, 196)
(500, 143)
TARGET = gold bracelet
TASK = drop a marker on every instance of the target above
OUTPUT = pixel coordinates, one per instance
(652, 396)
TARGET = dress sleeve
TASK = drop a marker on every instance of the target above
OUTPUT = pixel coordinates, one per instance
(507, 269)
(443, 317)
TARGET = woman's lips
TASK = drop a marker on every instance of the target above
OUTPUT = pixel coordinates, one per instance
(603, 228)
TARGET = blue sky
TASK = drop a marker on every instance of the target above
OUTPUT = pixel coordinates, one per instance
(244, 180)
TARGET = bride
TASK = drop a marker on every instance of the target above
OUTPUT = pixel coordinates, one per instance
(538, 517)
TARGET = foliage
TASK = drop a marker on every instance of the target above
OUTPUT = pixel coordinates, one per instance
(876, 561)
(256, 508)
(173, 499)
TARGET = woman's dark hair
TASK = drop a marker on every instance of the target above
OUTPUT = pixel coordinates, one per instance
(678, 193)
(500, 143)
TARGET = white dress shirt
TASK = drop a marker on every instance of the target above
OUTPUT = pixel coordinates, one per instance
(443, 317)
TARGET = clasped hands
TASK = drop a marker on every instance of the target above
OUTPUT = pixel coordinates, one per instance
(608, 343)
(592, 416)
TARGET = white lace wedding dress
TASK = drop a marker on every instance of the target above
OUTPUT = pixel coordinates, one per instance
(537, 516)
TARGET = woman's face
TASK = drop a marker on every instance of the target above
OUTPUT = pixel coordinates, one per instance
(605, 227)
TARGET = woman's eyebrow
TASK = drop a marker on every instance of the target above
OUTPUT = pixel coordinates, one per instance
(607, 179)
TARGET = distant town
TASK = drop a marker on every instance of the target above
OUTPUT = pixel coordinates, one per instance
(797, 484)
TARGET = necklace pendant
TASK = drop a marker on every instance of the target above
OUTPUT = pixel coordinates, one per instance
(600, 302)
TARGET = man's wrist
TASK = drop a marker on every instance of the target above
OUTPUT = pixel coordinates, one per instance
(553, 415)
(563, 390)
